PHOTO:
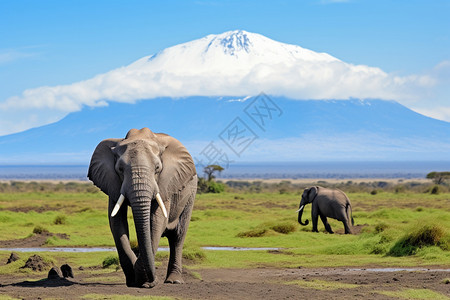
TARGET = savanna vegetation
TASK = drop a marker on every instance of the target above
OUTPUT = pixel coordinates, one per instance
(398, 223)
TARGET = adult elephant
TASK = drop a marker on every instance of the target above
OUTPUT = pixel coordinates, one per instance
(155, 175)
(332, 203)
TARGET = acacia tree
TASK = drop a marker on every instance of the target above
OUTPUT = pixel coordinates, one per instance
(210, 169)
(438, 177)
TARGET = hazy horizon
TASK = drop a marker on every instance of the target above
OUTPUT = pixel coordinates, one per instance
(261, 170)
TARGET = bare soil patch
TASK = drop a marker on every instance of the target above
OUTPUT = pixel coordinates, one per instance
(258, 283)
(25, 209)
(36, 240)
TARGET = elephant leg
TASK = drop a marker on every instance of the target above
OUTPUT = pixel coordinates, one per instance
(325, 223)
(158, 225)
(176, 240)
(119, 230)
(315, 219)
(347, 227)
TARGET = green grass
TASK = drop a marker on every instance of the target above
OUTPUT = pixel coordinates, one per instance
(247, 220)
(6, 297)
(415, 294)
(112, 260)
(421, 237)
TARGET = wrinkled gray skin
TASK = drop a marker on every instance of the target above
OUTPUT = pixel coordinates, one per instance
(331, 203)
(139, 166)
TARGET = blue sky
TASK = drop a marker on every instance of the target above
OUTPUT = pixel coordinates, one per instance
(50, 43)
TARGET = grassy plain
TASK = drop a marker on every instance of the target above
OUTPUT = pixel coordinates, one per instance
(396, 227)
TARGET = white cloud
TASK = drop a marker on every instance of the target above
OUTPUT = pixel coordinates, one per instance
(12, 55)
(440, 113)
(435, 94)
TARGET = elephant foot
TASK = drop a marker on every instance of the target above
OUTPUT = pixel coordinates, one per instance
(149, 285)
(174, 278)
(146, 284)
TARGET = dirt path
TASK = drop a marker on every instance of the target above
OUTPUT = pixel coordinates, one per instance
(322, 283)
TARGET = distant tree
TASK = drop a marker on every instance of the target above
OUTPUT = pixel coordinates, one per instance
(210, 169)
(438, 177)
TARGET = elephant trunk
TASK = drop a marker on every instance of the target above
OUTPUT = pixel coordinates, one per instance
(140, 196)
(145, 264)
(300, 213)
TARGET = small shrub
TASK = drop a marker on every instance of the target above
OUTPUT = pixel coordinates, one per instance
(205, 186)
(380, 227)
(202, 185)
(378, 249)
(60, 220)
(283, 191)
(110, 261)
(382, 246)
(39, 230)
(268, 229)
(283, 228)
(435, 190)
(253, 233)
(427, 235)
(400, 189)
(216, 187)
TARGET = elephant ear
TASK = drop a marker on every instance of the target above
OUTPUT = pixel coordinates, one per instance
(102, 168)
(313, 192)
(178, 167)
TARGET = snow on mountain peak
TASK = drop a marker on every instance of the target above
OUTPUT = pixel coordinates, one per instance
(233, 42)
(229, 59)
(239, 45)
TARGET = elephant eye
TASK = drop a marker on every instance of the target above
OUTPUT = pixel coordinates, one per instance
(119, 168)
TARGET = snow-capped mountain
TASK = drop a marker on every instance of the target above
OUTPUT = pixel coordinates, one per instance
(235, 63)
(234, 53)
(202, 90)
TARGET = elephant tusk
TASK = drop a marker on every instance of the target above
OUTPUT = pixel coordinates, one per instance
(118, 205)
(301, 207)
(161, 204)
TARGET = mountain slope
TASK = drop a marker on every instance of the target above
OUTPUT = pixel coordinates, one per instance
(297, 131)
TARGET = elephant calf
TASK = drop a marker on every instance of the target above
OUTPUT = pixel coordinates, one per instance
(332, 203)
